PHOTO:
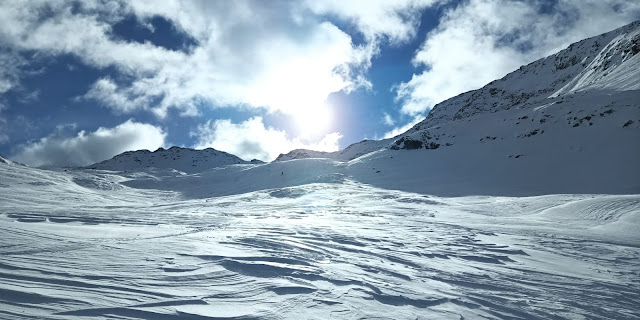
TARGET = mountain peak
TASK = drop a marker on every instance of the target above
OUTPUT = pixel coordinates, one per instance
(178, 158)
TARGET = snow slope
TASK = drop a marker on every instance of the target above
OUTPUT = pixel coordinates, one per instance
(349, 153)
(181, 159)
(576, 144)
(92, 247)
(5, 161)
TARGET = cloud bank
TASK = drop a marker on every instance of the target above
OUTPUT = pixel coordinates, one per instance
(85, 148)
(280, 56)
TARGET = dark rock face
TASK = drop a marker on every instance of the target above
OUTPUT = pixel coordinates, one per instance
(432, 145)
(411, 144)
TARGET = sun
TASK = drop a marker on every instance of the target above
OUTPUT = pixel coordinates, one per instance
(312, 121)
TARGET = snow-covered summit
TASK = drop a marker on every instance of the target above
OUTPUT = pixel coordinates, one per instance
(349, 153)
(181, 159)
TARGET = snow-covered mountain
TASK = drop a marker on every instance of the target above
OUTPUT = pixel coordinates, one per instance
(576, 87)
(349, 153)
(567, 123)
(591, 88)
(181, 159)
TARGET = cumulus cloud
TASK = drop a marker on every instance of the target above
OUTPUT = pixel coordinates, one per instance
(482, 40)
(397, 20)
(10, 70)
(59, 149)
(4, 138)
(252, 140)
(246, 53)
(280, 56)
(387, 119)
(402, 129)
(276, 55)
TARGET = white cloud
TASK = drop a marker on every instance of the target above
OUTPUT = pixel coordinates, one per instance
(281, 56)
(248, 53)
(85, 148)
(276, 55)
(397, 20)
(387, 119)
(252, 140)
(402, 129)
(106, 91)
(83, 30)
(482, 40)
(10, 70)
(4, 138)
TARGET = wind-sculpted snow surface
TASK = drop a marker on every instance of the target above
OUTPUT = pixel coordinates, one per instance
(336, 249)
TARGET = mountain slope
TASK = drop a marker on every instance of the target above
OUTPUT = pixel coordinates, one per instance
(604, 65)
(81, 244)
(349, 153)
(181, 159)
(568, 123)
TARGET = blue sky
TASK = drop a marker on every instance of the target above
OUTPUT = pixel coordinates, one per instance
(83, 81)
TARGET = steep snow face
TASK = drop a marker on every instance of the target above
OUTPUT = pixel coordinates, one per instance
(181, 159)
(9, 162)
(616, 67)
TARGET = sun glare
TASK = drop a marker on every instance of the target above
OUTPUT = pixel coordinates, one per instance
(312, 121)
